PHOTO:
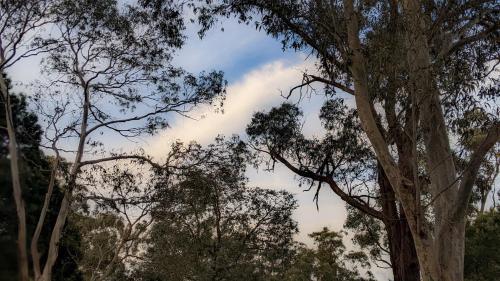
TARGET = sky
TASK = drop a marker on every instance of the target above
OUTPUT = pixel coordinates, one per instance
(258, 72)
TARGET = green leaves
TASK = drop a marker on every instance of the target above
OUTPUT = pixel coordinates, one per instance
(209, 225)
(328, 260)
(482, 237)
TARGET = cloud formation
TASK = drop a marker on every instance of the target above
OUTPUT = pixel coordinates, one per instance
(257, 90)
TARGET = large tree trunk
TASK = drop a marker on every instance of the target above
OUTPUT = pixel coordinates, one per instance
(55, 238)
(440, 243)
(450, 251)
(16, 184)
(405, 265)
(446, 262)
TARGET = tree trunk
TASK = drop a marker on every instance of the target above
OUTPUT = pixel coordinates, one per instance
(16, 185)
(404, 259)
(55, 237)
(444, 261)
(35, 254)
(444, 252)
(450, 252)
(64, 209)
(405, 266)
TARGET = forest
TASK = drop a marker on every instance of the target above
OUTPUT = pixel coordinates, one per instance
(259, 140)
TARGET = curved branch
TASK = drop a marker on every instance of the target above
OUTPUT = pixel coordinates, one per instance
(333, 185)
(122, 157)
(470, 173)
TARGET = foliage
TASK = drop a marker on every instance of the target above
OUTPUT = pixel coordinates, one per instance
(210, 226)
(414, 69)
(369, 234)
(341, 155)
(482, 237)
(107, 68)
(328, 261)
(101, 237)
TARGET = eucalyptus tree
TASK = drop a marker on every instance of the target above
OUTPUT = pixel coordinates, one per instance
(114, 216)
(34, 170)
(20, 22)
(109, 71)
(209, 225)
(412, 67)
(342, 161)
(328, 260)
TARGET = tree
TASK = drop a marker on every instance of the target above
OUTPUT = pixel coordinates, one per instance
(34, 171)
(407, 89)
(482, 261)
(20, 21)
(109, 67)
(209, 225)
(115, 218)
(328, 261)
(105, 236)
(114, 53)
(342, 161)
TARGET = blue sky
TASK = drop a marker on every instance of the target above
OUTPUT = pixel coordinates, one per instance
(237, 50)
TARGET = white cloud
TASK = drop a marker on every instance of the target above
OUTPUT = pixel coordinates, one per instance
(257, 90)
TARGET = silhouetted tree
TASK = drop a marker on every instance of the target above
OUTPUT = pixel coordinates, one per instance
(209, 225)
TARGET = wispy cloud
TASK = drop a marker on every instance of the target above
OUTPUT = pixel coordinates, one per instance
(257, 90)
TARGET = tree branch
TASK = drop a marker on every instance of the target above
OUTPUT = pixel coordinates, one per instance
(470, 173)
(122, 157)
(309, 79)
(333, 185)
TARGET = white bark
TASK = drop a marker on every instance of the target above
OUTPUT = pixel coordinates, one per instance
(440, 249)
(35, 254)
(16, 184)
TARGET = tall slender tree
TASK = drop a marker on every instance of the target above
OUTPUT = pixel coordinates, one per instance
(110, 69)
(110, 72)
(35, 169)
(20, 21)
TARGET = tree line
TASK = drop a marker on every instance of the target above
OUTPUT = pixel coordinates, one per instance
(415, 158)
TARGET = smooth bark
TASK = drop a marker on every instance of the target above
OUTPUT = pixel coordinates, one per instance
(35, 254)
(16, 184)
(68, 192)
